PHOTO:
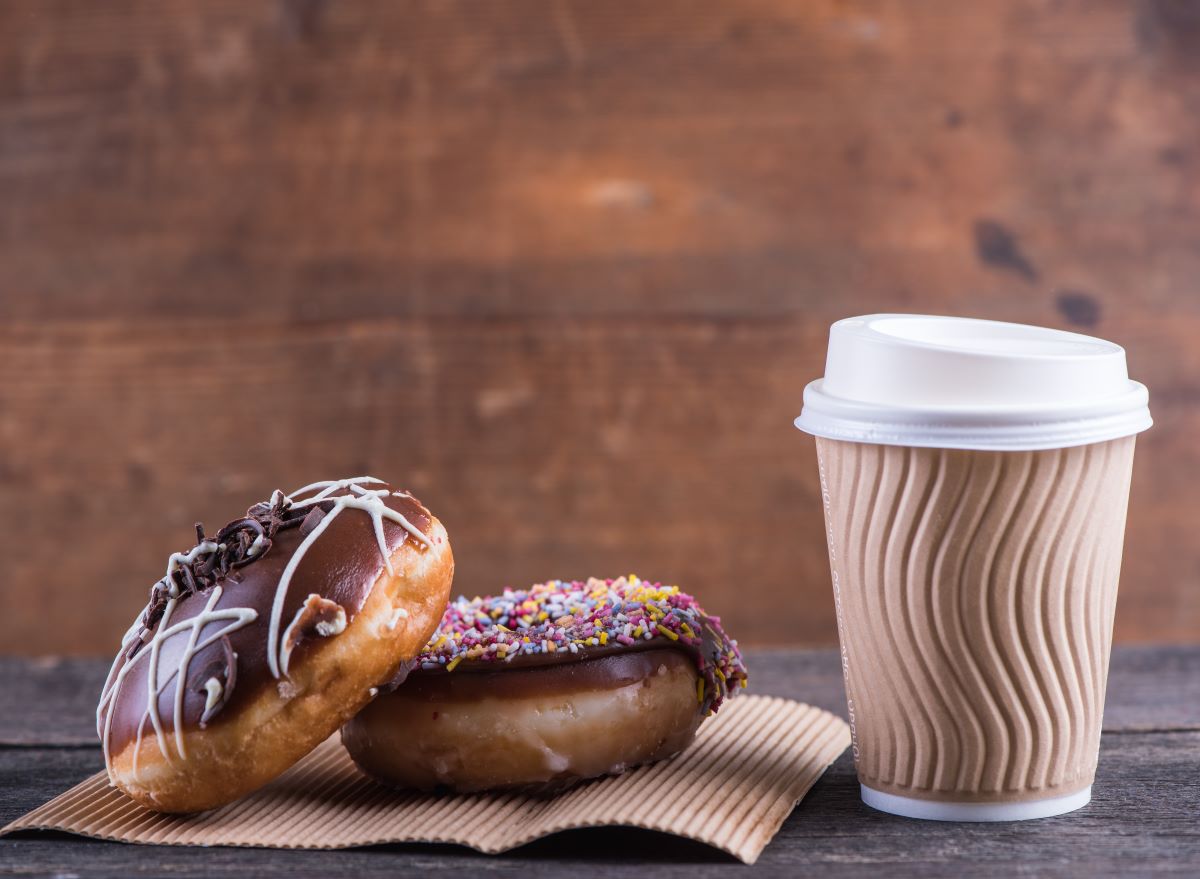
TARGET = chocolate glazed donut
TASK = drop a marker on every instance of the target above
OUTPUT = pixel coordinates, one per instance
(550, 685)
(266, 637)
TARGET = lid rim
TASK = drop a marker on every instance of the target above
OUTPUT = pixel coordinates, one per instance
(1133, 398)
(1027, 436)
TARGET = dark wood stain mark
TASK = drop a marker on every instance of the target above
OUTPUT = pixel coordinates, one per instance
(1173, 156)
(998, 248)
(1169, 28)
(302, 18)
(140, 476)
(1079, 307)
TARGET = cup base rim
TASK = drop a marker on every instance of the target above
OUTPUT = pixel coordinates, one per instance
(940, 810)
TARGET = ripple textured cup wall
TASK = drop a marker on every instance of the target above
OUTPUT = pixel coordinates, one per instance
(975, 593)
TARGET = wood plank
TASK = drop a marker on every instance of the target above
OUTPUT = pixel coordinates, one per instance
(549, 447)
(1141, 822)
(51, 701)
(324, 161)
(563, 449)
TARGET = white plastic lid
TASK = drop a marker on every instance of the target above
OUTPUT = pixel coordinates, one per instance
(960, 383)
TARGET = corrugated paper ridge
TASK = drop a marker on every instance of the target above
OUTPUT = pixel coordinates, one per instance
(732, 789)
(975, 597)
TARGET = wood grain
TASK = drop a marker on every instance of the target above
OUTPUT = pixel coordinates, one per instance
(562, 267)
(50, 701)
(1141, 820)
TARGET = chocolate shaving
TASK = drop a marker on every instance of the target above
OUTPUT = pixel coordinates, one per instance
(236, 541)
(311, 521)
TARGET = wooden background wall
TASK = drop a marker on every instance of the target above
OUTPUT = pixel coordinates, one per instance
(562, 268)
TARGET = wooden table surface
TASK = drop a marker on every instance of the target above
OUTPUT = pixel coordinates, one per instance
(1144, 817)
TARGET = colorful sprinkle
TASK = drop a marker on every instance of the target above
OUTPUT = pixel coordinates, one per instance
(569, 617)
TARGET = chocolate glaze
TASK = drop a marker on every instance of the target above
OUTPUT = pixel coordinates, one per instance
(703, 657)
(607, 672)
(711, 646)
(342, 565)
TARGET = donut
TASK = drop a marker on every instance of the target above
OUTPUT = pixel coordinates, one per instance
(263, 639)
(546, 686)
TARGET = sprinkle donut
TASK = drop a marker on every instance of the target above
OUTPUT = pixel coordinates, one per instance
(550, 685)
(264, 638)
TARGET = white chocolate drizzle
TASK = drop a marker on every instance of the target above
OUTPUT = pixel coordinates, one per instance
(237, 617)
(369, 500)
(213, 691)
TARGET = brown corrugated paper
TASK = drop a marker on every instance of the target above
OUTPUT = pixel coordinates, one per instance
(732, 789)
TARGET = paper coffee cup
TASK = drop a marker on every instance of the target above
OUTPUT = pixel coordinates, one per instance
(975, 478)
